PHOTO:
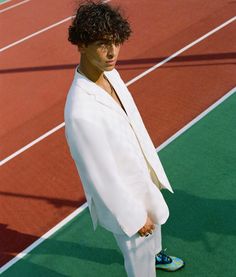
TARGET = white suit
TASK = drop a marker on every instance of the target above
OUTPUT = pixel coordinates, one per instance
(105, 143)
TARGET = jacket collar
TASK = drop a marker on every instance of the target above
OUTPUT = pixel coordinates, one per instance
(101, 95)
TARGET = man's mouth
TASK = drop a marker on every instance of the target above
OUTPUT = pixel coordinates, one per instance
(111, 62)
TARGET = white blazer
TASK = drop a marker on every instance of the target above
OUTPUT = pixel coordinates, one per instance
(105, 143)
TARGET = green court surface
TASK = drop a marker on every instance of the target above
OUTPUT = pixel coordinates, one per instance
(201, 229)
(2, 1)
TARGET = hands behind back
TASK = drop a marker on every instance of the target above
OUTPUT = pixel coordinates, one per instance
(148, 228)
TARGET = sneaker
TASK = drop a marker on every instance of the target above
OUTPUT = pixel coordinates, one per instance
(168, 263)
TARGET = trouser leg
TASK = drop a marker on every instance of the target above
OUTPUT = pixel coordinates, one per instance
(139, 253)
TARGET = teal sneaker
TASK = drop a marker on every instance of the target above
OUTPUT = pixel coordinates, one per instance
(168, 263)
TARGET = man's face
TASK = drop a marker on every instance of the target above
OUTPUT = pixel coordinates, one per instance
(101, 54)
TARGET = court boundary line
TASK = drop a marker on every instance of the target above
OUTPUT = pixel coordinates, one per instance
(43, 237)
(7, 1)
(35, 34)
(27, 146)
(85, 205)
(232, 19)
(14, 6)
(196, 119)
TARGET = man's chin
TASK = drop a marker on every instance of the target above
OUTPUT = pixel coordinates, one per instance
(109, 68)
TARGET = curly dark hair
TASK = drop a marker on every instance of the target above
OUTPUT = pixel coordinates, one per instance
(96, 20)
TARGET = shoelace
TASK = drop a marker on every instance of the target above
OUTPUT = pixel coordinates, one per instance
(163, 258)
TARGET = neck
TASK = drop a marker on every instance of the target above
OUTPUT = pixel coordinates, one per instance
(90, 71)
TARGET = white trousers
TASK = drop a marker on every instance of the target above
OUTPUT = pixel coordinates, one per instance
(139, 253)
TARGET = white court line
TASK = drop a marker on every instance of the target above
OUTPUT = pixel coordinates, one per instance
(43, 238)
(14, 6)
(182, 50)
(5, 2)
(35, 34)
(85, 205)
(196, 119)
(2, 162)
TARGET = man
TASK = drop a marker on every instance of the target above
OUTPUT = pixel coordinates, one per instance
(117, 162)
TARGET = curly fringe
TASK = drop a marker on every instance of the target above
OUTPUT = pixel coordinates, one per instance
(96, 20)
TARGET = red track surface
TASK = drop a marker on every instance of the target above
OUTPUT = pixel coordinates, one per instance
(41, 186)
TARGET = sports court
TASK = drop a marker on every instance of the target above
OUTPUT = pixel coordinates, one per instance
(180, 68)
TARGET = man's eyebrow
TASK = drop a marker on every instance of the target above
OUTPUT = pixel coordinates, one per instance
(108, 39)
(98, 42)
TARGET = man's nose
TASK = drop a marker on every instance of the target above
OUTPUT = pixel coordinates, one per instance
(111, 51)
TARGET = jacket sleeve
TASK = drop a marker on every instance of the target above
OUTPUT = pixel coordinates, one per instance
(90, 148)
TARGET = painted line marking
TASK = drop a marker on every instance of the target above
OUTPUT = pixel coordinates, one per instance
(5, 160)
(4, 2)
(196, 119)
(14, 6)
(35, 34)
(182, 50)
(18, 152)
(43, 238)
(85, 205)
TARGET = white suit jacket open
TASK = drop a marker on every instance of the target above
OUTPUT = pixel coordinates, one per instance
(105, 143)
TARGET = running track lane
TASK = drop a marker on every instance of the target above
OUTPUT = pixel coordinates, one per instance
(57, 198)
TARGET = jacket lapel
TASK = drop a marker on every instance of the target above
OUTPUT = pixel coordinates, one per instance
(120, 93)
(102, 96)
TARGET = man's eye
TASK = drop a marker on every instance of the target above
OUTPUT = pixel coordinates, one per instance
(101, 44)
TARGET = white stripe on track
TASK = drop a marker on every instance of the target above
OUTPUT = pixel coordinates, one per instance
(182, 50)
(14, 6)
(35, 34)
(196, 119)
(43, 238)
(85, 205)
(32, 143)
(5, 2)
(2, 162)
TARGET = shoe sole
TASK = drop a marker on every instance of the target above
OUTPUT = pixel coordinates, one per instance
(166, 269)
